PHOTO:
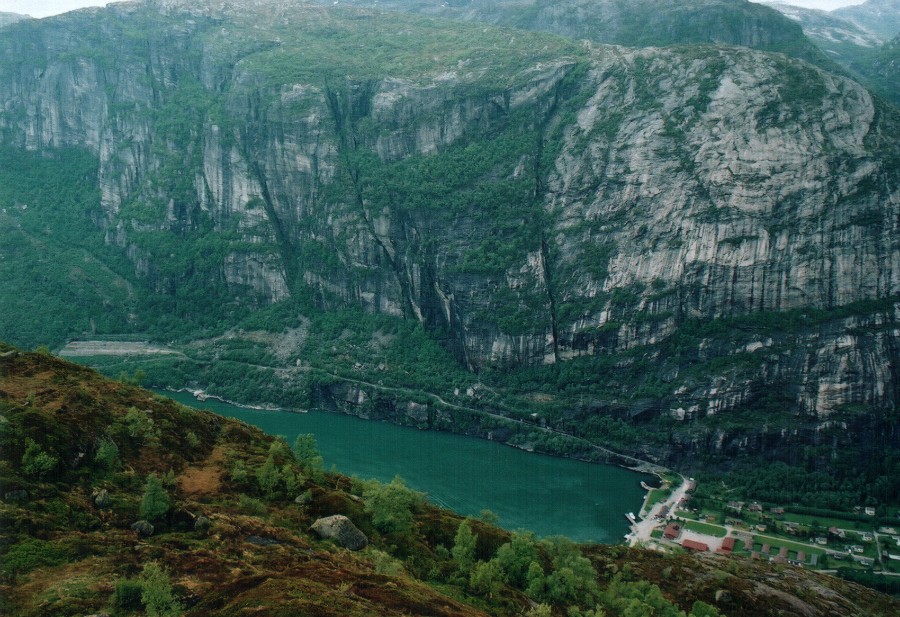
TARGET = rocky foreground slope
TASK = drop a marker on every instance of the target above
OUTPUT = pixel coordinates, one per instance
(705, 235)
(116, 500)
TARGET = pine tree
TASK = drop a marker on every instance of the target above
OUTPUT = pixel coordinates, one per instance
(156, 592)
(155, 502)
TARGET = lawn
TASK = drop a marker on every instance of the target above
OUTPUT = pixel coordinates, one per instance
(655, 496)
(705, 528)
(825, 523)
(777, 543)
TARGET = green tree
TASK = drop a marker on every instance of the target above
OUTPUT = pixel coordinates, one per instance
(516, 556)
(141, 426)
(637, 599)
(463, 550)
(291, 480)
(107, 455)
(307, 451)
(535, 581)
(573, 579)
(156, 592)
(269, 478)
(486, 579)
(702, 609)
(155, 502)
(35, 462)
(391, 504)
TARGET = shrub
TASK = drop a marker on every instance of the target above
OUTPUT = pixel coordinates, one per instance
(516, 556)
(35, 462)
(192, 440)
(385, 564)
(29, 555)
(239, 471)
(268, 478)
(251, 506)
(127, 594)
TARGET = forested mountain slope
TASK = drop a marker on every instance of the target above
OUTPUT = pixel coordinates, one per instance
(688, 252)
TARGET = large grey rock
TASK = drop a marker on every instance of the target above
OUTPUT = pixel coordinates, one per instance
(16, 496)
(101, 498)
(144, 528)
(202, 524)
(342, 530)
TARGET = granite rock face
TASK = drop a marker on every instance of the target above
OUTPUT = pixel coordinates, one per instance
(598, 202)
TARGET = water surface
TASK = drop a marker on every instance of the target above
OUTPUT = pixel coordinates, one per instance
(545, 494)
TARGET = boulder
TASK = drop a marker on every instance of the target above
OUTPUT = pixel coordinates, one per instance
(304, 498)
(342, 530)
(16, 496)
(101, 498)
(144, 528)
(202, 524)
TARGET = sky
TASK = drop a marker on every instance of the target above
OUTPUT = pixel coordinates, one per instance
(44, 8)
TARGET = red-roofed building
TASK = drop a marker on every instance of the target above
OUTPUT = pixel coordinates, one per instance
(672, 531)
(694, 545)
(728, 544)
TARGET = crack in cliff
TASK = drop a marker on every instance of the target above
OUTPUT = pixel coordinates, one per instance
(537, 200)
(293, 272)
(347, 143)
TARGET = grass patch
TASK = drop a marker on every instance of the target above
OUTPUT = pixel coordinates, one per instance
(705, 528)
(777, 543)
(656, 495)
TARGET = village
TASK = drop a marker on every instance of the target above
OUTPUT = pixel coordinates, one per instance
(671, 520)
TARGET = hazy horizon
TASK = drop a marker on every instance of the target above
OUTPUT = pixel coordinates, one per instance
(46, 8)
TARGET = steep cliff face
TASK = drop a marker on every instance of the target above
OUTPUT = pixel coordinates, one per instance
(715, 224)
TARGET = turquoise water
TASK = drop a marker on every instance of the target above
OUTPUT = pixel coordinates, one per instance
(544, 494)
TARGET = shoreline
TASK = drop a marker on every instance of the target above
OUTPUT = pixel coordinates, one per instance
(202, 396)
(644, 467)
(617, 460)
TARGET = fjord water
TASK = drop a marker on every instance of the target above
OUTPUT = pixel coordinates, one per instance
(544, 494)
